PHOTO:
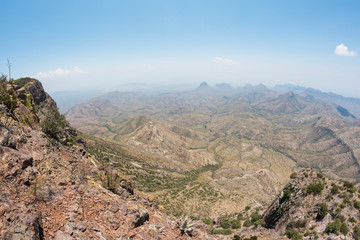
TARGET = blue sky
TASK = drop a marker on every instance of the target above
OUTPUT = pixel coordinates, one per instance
(98, 44)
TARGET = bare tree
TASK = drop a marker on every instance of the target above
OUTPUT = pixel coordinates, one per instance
(9, 66)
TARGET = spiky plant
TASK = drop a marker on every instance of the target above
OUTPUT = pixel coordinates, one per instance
(185, 225)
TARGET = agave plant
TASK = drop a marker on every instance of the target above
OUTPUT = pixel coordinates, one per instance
(185, 224)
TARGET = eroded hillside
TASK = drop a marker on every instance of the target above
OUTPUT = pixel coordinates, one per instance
(230, 148)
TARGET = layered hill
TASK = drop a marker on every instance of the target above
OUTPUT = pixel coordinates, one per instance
(51, 187)
(227, 148)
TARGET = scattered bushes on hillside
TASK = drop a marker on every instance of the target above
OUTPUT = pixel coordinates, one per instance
(53, 124)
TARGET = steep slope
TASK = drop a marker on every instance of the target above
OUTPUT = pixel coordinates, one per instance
(316, 207)
(52, 189)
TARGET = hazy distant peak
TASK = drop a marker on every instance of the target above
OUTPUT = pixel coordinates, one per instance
(203, 85)
(262, 87)
(224, 86)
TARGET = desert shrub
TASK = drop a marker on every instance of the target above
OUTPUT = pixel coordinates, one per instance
(344, 229)
(346, 201)
(357, 204)
(352, 220)
(207, 221)
(341, 218)
(321, 176)
(333, 227)
(220, 231)
(53, 124)
(240, 216)
(315, 188)
(236, 237)
(247, 223)
(255, 216)
(323, 210)
(356, 233)
(296, 224)
(247, 208)
(260, 222)
(287, 194)
(348, 184)
(235, 224)
(69, 142)
(335, 188)
(293, 175)
(225, 223)
(293, 234)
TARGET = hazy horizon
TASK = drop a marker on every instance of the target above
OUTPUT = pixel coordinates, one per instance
(100, 45)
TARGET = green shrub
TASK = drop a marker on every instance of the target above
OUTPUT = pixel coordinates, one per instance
(321, 176)
(287, 194)
(323, 210)
(315, 188)
(293, 234)
(293, 175)
(225, 223)
(235, 224)
(240, 216)
(356, 233)
(348, 184)
(247, 208)
(207, 221)
(297, 224)
(335, 188)
(260, 222)
(220, 231)
(236, 237)
(53, 124)
(352, 220)
(357, 205)
(333, 227)
(344, 229)
(247, 223)
(255, 216)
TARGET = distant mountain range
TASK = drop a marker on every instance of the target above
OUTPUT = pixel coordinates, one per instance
(67, 99)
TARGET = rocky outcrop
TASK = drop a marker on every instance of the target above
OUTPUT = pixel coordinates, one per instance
(312, 205)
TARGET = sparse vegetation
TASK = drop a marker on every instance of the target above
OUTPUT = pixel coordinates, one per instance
(315, 188)
(53, 124)
(323, 210)
(356, 233)
(293, 175)
(333, 227)
(293, 234)
(220, 231)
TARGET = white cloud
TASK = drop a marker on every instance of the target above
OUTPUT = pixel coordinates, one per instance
(342, 50)
(58, 72)
(225, 61)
